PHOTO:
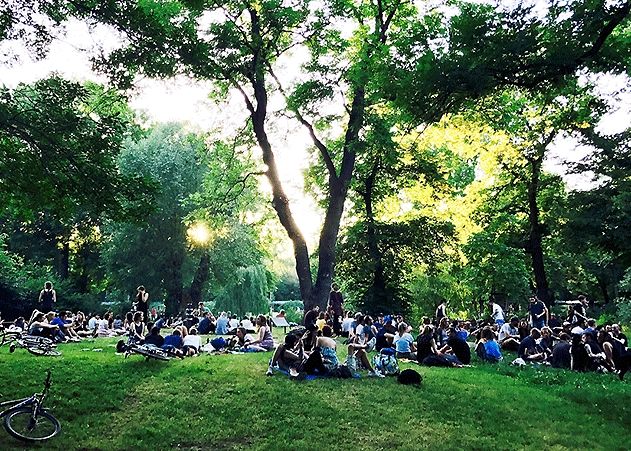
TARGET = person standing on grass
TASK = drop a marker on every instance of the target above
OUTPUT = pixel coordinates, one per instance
(441, 311)
(336, 307)
(538, 313)
(47, 297)
(142, 301)
(497, 313)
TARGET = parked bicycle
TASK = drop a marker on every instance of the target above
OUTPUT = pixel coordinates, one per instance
(40, 346)
(148, 351)
(26, 419)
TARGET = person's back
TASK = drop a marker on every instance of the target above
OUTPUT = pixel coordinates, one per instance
(561, 355)
(193, 340)
(460, 348)
(526, 347)
(173, 340)
(204, 325)
(423, 347)
(154, 338)
(222, 325)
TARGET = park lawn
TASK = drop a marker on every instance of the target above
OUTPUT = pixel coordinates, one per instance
(226, 402)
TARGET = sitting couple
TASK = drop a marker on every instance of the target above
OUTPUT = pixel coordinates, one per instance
(291, 356)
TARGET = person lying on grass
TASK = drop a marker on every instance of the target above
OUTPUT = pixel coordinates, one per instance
(191, 343)
(173, 343)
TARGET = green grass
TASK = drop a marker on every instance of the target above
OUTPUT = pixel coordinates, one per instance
(226, 402)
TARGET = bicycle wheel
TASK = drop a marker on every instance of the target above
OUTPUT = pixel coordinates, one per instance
(33, 340)
(20, 425)
(156, 353)
(43, 350)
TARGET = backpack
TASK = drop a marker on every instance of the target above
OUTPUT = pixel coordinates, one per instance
(409, 377)
(219, 343)
(386, 364)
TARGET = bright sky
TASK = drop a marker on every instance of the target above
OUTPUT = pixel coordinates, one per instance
(183, 100)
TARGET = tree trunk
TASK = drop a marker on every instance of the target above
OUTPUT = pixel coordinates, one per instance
(200, 279)
(63, 269)
(379, 292)
(535, 235)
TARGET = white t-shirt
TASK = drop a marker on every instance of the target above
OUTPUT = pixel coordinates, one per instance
(507, 330)
(247, 324)
(193, 340)
(347, 325)
(92, 323)
(498, 313)
(233, 323)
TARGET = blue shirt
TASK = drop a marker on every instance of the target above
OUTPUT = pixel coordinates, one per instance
(403, 342)
(173, 340)
(222, 326)
(492, 349)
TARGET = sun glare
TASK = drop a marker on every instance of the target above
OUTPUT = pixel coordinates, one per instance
(199, 233)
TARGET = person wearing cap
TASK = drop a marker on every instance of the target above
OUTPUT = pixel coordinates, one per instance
(509, 335)
(538, 312)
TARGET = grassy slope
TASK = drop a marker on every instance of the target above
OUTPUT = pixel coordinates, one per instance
(226, 402)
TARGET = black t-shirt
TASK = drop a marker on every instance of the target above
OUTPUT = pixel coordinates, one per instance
(461, 349)
(536, 309)
(527, 344)
(561, 355)
(423, 347)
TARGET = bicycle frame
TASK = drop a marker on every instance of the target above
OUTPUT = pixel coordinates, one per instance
(36, 400)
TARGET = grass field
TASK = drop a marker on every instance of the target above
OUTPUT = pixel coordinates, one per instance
(226, 402)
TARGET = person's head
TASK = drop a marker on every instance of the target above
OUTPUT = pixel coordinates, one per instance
(192, 331)
(591, 323)
(587, 336)
(321, 315)
(129, 317)
(155, 330)
(453, 332)
(327, 331)
(582, 299)
(444, 322)
(349, 314)
(39, 317)
(282, 312)
(368, 320)
(546, 332)
(141, 289)
(535, 333)
(48, 285)
(261, 321)
(291, 340)
(335, 287)
(514, 321)
(50, 316)
(316, 308)
(137, 317)
(63, 314)
(177, 332)
(488, 334)
(603, 336)
(241, 332)
(565, 337)
(150, 324)
(403, 328)
(427, 330)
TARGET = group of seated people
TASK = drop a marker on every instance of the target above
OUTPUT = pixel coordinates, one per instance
(61, 327)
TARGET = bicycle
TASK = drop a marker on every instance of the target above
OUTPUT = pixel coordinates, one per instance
(28, 420)
(148, 351)
(40, 346)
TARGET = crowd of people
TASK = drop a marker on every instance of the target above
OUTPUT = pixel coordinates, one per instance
(574, 342)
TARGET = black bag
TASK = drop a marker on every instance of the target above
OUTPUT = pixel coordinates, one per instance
(409, 377)
(342, 372)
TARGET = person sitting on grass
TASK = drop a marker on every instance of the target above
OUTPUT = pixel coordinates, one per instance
(264, 341)
(509, 335)
(427, 353)
(404, 343)
(442, 332)
(39, 327)
(620, 355)
(529, 350)
(487, 349)
(347, 324)
(327, 346)
(597, 358)
(561, 353)
(64, 327)
(173, 343)
(222, 324)
(136, 328)
(240, 339)
(291, 357)
(459, 346)
(192, 343)
(154, 338)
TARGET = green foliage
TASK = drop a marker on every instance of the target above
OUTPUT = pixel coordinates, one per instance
(247, 293)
